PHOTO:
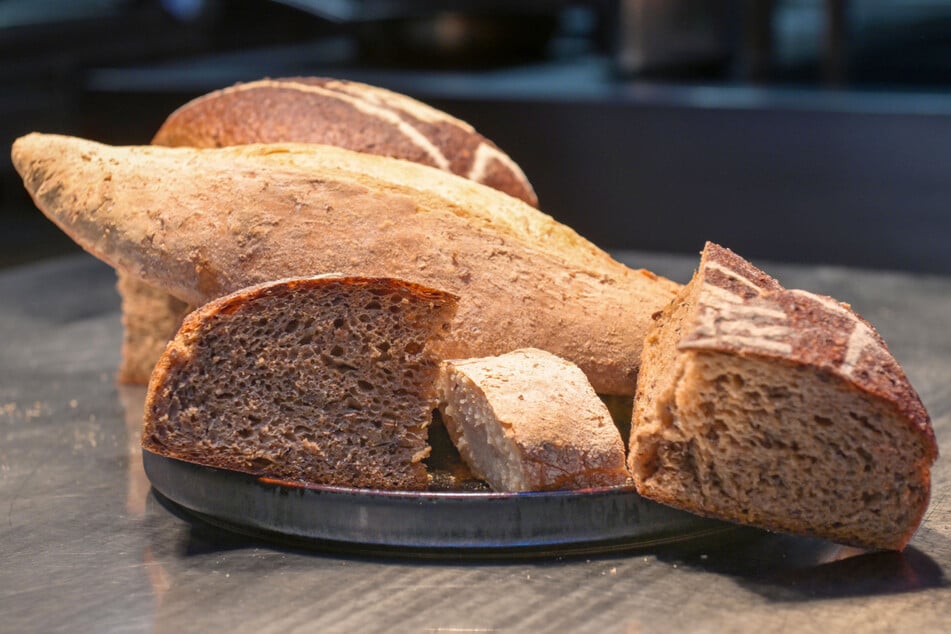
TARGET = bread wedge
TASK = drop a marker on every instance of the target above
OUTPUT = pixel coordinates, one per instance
(200, 223)
(325, 380)
(781, 409)
(529, 421)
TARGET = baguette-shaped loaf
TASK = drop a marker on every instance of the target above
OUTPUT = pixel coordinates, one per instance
(530, 421)
(325, 380)
(779, 408)
(345, 114)
(200, 223)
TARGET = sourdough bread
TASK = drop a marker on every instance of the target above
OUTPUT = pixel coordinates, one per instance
(200, 223)
(529, 421)
(325, 380)
(781, 409)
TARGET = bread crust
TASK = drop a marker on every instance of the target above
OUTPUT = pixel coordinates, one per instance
(279, 209)
(815, 331)
(345, 114)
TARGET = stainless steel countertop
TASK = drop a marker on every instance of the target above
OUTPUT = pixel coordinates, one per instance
(86, 547)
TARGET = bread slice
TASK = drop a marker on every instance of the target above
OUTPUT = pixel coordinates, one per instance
(529, 421)
(781, 409)
(336, 112)
(324, 380)
(200, 223)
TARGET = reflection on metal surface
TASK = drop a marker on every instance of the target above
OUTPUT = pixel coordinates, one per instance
(592, 520)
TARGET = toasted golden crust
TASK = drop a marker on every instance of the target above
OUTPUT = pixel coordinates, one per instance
(279, 209)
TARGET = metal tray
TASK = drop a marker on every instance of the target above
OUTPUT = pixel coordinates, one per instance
(429, 522)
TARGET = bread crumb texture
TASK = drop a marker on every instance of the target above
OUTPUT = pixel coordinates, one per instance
(324, 380)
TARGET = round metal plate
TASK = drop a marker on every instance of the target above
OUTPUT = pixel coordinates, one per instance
(557, 522)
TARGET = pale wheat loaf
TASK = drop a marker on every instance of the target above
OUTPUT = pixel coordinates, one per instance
(325, 380)
(781, 409)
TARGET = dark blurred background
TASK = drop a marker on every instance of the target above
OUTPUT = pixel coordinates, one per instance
(791, 130)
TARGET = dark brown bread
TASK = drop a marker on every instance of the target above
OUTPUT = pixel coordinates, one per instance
(325, 380)
(335, 112)
(781, 409)
(529, 421)
(345, 114)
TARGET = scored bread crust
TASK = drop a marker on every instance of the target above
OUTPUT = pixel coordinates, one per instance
(335, 112)
(325, 380)
(701, 415)
(278, 209)
(345, 114)
(530, 421)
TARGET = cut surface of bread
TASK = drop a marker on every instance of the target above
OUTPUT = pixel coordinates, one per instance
(780, 409)
(529, 421)
(335, 112)
(326, 380)
(200, 223)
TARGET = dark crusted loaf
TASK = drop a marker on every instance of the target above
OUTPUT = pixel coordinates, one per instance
(781, 409)
(323, 380)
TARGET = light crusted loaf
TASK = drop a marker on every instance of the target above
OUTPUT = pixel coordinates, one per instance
(200, 223)
(325, 380)
(781, 409)
(336, 112)
(529, 421)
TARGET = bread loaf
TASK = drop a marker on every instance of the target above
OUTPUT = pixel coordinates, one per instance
(325, 380)
(200, 223)
(529, 421)
(347, 114)
(781, 409)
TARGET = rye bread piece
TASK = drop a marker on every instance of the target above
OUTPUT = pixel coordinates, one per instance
(201, 223)
(346, 114)
(780, 409)
(530, 421)
(325, 380)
